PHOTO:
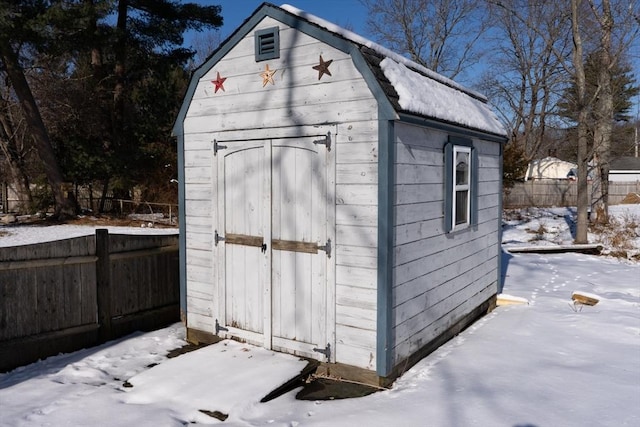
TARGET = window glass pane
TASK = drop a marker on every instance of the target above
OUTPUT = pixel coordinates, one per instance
(462, 168)
(461, 206)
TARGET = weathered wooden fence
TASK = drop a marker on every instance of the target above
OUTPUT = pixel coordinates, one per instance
(70, 294)
(559, 192)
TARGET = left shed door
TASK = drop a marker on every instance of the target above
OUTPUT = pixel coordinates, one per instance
(273, 262)
(244, 199)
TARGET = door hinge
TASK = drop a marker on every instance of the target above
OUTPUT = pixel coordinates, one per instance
(217, 147)
(326, 247)
(326, 351)
(220, 328)
(217, 238)
(326, 141)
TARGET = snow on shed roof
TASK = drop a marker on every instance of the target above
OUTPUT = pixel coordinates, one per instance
(420, 90)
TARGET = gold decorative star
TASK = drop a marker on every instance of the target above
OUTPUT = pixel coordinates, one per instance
(323, 67)
(219, 82)
(267, 76)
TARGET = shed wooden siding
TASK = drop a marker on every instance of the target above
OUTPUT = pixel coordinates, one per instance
(297, 99)
(438, 278)
(199, 229)
(356, 243)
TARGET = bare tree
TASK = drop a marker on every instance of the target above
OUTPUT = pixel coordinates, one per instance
(204, 44)
(538, 54)
(525, 77)
(583, 114)
(603, 108)
(439, 34)
(613, 20)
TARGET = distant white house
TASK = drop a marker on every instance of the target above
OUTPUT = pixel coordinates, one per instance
(549, 168)
(625, 169)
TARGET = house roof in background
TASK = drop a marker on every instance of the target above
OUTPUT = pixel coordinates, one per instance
(625, 163)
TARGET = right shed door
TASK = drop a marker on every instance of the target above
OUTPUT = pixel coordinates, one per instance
(273, 208)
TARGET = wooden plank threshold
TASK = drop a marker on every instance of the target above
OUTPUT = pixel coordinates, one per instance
(591, 249)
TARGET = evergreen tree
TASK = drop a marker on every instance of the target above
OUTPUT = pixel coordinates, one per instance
(110, 78)
(25, 30)
(145, 58)
(624, 87)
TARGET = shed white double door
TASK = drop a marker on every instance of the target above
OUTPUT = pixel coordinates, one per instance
(274, 246)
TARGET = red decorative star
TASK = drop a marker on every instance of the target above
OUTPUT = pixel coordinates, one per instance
(219, 82)
(323, 67)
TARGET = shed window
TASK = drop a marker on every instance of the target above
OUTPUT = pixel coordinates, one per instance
(460, 184)
(462, 161)
(267, 44)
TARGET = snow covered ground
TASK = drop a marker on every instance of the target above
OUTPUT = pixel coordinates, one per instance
(545, 363)
(554, 226)
(16, 235)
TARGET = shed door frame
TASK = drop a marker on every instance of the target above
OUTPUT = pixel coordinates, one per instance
(225, 141)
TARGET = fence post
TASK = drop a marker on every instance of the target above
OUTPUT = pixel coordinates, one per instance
(103, 284)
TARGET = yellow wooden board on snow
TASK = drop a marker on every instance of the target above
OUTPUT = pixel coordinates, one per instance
(504, 299)
(584, 298)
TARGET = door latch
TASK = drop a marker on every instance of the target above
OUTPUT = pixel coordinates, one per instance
(263, 248)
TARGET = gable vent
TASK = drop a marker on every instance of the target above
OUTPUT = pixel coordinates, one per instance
(267, 44)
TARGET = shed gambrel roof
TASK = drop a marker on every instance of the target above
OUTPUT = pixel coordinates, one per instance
(408, 90)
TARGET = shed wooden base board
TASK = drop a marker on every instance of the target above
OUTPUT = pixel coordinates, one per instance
(196, 337)
(484, 308)
(341, 371)
(365, 376)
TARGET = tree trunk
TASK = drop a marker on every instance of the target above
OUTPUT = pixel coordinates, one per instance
(91, 208)
(582, 224)
(15, 161)
(64, 206)
(96, 48)
(103, 196)
(583, 155)
(604, 111)
(120, 74)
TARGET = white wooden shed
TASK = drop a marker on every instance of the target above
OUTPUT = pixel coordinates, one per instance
(337, 200)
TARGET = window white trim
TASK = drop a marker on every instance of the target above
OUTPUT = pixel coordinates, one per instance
(465, 185)
(461, 179)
